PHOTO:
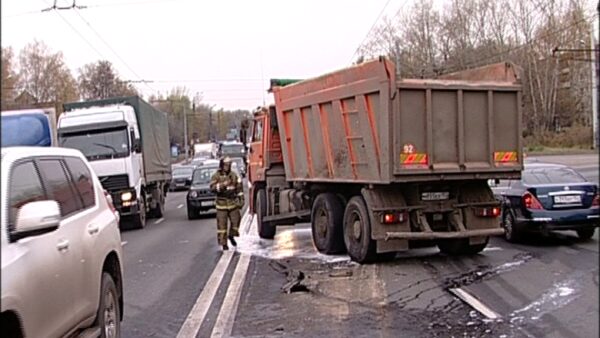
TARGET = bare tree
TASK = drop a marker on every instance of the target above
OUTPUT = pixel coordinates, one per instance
(100, 80)
(44, 74)
(9, 77)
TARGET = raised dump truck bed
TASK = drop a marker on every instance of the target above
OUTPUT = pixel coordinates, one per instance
(362, 125)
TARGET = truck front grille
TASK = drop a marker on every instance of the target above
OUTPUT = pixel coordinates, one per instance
(115, 182)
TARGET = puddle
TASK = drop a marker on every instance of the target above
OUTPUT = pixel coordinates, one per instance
(289, 242)
(559, 295)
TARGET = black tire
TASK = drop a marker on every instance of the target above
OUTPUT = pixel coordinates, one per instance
(511, 232)
(139, 220)
(265, 230)
(327, 219)
(108, 316)
(357, 232)
(192, 213)
(159, 210)
(586, 234)
(460, 246)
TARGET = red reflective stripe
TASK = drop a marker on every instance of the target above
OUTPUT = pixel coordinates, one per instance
(506, 157)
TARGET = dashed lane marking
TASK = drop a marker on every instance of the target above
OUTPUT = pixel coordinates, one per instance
(180, 206)
(158, 221)
(123, 243)
(474, 303)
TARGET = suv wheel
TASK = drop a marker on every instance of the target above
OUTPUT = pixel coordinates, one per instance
(108, 317)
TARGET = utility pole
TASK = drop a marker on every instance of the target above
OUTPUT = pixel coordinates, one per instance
(596, 61)
(594, 68)
(185, 138)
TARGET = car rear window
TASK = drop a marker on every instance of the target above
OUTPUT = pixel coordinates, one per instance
(551, 176)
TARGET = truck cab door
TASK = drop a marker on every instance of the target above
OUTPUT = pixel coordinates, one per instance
(256, 157)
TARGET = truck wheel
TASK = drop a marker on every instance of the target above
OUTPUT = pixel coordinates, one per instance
(357, 231)
(159, 210)
(139, 220)
(192, 213)
(108, 317)
(327, 218)
(265, 230)
(460, 246)
(586, 234)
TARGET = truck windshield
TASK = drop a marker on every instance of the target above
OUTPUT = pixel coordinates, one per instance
(203, 175)
(98, 144)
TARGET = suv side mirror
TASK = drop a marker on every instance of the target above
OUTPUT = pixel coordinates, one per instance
(36, 218)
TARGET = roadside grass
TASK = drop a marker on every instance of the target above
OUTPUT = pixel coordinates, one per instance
(576, 139)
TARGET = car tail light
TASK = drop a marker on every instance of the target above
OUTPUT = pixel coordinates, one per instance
(530, 202)
(488, 212)
(596, 201)
(394, 217)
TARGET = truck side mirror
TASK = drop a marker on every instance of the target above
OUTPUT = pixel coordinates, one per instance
(137, 147)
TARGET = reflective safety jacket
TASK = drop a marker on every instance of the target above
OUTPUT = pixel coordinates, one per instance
(229, 190)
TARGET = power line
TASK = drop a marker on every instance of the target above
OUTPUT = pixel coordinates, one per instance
(115, 4)
(112, 50)
(512, 49)
(370, 29)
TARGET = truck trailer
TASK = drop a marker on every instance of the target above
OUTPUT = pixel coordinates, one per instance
(126, 141)
(378, 164)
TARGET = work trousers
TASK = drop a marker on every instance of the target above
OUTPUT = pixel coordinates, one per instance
(223, 232)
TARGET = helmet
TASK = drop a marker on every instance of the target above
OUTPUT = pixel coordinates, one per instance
(223, 161)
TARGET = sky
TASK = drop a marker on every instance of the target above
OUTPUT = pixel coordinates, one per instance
(223, 50)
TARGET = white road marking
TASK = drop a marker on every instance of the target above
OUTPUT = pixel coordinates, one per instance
(123, 243)
(180, 206)
(194, 320)
(158, 221)
(474, 303)
(226, 317)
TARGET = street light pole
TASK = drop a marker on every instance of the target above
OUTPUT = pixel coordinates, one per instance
(185, 138)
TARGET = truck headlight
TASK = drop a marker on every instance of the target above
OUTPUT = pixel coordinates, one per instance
(126, 196)
(193, 194)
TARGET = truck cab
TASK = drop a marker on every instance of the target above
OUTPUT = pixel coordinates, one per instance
(110, 136)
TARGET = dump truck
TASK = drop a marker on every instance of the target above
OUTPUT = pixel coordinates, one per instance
(379, 164)
(127, 143)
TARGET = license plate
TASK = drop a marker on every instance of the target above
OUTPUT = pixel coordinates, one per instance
(207, 203)
(435, 196)
(567, 199)
(180, 184)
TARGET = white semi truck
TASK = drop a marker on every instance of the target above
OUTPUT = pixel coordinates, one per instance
(126, 141)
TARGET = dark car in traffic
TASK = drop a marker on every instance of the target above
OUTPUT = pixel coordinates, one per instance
(181, 178)
(548, 197)
(200, 197)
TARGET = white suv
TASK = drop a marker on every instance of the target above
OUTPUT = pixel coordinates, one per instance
(61, 247)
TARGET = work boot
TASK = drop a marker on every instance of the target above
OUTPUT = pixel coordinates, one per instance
(233, 242)
(225, 247)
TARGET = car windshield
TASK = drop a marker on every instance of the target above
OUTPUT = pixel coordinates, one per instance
(98, 144)
(187, 172)
(551, 176)
(203, 175)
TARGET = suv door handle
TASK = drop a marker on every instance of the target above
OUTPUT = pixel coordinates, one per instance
(62, 245)
(93, 229)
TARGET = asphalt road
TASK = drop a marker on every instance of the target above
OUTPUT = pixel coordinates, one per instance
(177, 281)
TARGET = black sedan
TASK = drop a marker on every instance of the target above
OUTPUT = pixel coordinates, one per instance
(182, 178)
(548, 197)
(200, 197)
